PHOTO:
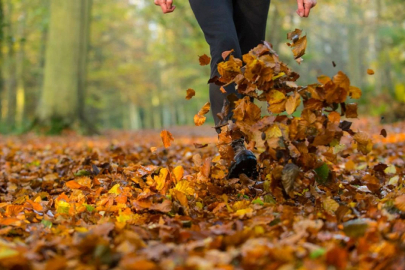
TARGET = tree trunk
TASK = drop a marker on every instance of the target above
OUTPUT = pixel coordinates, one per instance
(12, 73)
(63, 77)
(20, 69)
(1, 56)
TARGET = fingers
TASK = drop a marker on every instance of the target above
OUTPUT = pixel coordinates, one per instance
(307, 7)
(169, 4)
(304, 7)
(301, 9)
(166, 5)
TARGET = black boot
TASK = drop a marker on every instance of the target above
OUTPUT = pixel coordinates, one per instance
(243, 162)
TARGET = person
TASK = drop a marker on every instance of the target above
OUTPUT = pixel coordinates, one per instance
(238, 25)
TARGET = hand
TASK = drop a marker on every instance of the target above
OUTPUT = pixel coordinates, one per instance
(304, 6)
(166, 5)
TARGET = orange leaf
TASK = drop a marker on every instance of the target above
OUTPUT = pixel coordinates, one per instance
(190, 93)
(199, 119)
(73, 185)
(205, 109)
(370, 72)
(166, 137)
(400, 202)
(292, 103)
(204, 60)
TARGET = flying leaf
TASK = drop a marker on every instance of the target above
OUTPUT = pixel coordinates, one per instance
(355, 227)
(190, 93)
(299, 47)
(205, 109)
(199, 119)
(383, 133)
(289, 175)
(370, 72)
(351, 110)
(354, 92)
(292, 103)
(204, 60)
(167, 137)
(225, 54)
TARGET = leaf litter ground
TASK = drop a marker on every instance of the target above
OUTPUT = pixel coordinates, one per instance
(108, 202)
(329, 192)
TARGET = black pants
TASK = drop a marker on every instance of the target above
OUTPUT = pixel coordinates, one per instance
(229, 24)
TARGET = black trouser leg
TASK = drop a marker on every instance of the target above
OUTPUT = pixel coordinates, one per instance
(229, 24)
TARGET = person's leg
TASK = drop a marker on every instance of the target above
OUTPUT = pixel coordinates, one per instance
(250, 17)
(215, 18)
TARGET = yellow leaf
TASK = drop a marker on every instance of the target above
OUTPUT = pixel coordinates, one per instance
(161, 178)
(184, 186)
(62, 207)
(115, 189)
(178, 173)
(354, 92)
(273, 131)
(281, 74)
(330, 205)
(125, 215)
(248, 212)
(240, 205)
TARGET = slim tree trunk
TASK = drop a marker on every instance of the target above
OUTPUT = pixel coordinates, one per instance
(1, 55)
(20, 69)
(12, 73)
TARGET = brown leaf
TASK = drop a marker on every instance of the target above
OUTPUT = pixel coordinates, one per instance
(164, 207)
(383, 133)
(190, 93)
(204, 60)
(199, 145)
(289, 175)
(293, 34)
(351, 110)
(299, 47)
(167, 137)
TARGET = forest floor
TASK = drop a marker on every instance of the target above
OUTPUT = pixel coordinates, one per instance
(123, 201)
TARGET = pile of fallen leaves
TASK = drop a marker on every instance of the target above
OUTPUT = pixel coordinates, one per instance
(326, 197)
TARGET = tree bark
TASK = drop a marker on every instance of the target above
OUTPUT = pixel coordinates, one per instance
(12, 73)
(64, 65)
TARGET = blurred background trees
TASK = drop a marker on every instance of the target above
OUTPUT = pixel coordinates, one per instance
(122, 64)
